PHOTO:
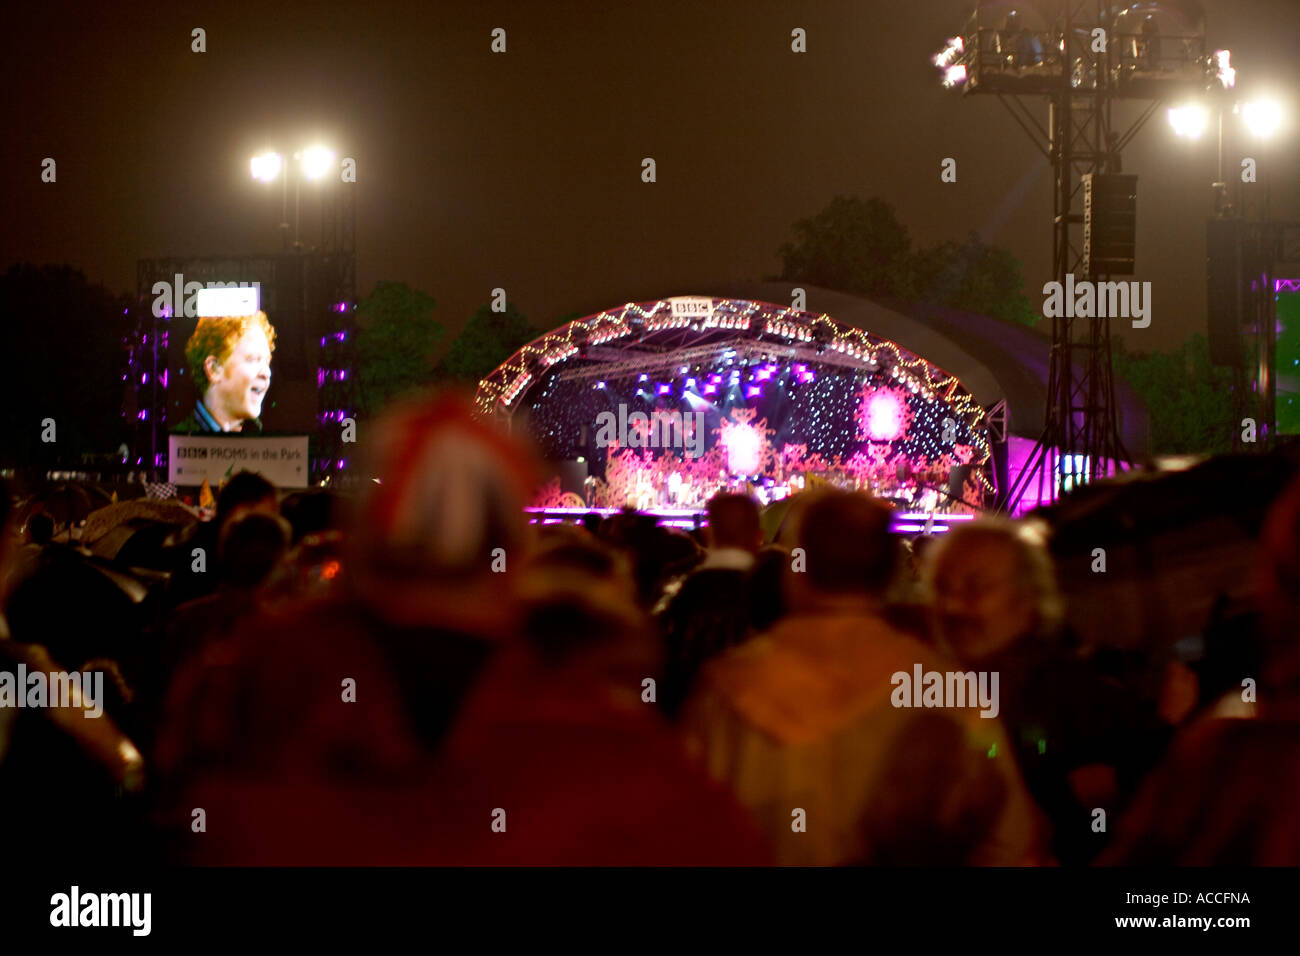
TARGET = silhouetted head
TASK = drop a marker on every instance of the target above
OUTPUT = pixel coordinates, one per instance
(246, 492)
(250, 549)
(439, 532)
(733, 523)
(848, 552)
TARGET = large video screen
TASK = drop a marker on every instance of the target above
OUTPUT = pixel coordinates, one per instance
(227, 362)
(1287, 403)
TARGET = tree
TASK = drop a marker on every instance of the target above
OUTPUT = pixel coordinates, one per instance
(853, 245)
(974, 277)
(396, 341)
(1187, 397)
(858, 246)
(62, 336)
(488, 339)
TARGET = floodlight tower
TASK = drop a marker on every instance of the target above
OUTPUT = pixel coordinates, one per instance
(1080, 56)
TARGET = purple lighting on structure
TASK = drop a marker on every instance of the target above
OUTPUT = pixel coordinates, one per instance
(710, 390)
(163, 378)
(663, 390)
(751, 392)
(1286, 285)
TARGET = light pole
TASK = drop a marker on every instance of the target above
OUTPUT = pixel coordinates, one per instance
(1263, 118)
(314, 162)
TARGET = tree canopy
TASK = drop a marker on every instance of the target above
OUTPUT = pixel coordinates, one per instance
(488, 339)
(859, 246)
(396, 342)
(1188, 398)
(64, 338)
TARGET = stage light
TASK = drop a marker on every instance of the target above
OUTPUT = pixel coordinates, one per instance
(1223, 71)
(266, 167)
(1189, 120)
(949, 53)
(743, 445)
(1263, 117)
(954, 76)
(885, 417)
(317, 161)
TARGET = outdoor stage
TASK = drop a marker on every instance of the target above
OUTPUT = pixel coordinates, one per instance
(659, 406)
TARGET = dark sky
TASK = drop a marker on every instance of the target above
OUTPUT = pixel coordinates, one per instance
(523, 170)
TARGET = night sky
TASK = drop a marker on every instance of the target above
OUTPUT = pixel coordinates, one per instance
(522, 170)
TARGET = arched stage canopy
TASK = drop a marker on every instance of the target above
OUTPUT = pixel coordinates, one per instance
(784, 397)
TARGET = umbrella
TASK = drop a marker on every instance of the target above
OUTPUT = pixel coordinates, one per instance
(1145, 561)
(101, 522)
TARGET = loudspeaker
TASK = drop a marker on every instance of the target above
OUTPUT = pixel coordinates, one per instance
(1224, 249)
(1109, 223)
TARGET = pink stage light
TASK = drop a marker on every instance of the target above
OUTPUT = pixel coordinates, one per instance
(885, 417)
(743, 445)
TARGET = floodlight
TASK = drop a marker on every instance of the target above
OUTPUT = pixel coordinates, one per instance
(1189, 120)
(1263, 117)
(317, 161)
(266, 167)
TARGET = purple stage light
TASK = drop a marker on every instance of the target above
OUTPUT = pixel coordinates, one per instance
(663, 389)
(751, 392)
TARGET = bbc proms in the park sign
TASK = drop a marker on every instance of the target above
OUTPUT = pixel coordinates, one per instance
(281, 460)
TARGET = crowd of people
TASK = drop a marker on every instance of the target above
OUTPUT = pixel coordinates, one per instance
(413, 674)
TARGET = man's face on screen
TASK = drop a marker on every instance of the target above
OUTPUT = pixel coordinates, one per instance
(237, 388)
